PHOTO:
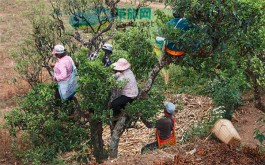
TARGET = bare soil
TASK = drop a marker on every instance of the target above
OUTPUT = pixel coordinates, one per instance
(209, 153)
(205, 151)
(13, 28)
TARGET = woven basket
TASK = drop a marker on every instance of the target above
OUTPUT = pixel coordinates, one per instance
(226, 132)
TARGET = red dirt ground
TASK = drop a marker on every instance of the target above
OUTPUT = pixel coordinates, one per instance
(210, 152)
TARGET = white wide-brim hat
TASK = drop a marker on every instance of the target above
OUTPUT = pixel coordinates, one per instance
(107, 46)
(121, 65)
(58, 49)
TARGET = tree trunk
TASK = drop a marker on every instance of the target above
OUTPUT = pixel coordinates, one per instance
(96, 130)
(115, 137)
(256, 91)
(257, 96)
(164, 60)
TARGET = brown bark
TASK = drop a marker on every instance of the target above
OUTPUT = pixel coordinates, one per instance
(257, 96)
(163, 61)
(97, 141)
(256, 91)
(116, 134)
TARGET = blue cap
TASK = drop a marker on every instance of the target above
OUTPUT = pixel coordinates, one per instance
(170, 107)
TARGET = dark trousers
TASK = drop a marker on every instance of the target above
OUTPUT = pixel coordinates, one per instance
(119, 103)
(149, 147)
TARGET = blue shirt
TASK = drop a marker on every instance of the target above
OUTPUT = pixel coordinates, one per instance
(180, 23)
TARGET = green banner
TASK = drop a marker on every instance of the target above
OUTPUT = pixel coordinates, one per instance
(91, 16)
(94, 16)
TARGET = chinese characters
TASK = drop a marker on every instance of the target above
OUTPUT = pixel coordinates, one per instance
(130, 13)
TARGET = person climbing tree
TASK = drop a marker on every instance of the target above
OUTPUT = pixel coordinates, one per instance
(129, 91)
(178, 22)
(107, 48)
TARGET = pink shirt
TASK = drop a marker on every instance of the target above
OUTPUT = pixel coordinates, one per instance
(63, 68)
(130, 89)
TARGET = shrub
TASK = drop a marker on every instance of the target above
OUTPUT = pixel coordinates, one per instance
(259, 134)
(137, 42)
(203, 128)
(47, 136)
(225, 92)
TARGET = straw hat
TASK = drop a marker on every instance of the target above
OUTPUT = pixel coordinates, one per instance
(121, 65)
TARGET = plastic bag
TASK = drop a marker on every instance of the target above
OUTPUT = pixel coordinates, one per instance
(68, 87)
